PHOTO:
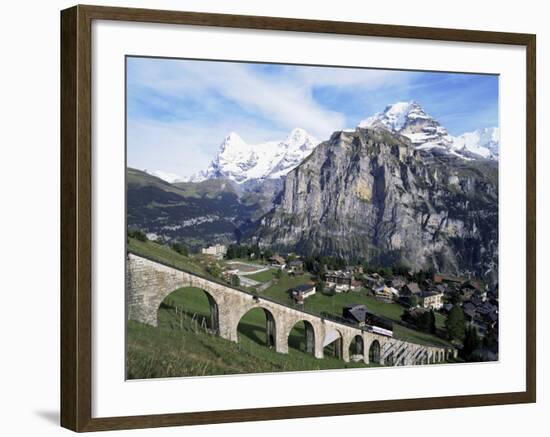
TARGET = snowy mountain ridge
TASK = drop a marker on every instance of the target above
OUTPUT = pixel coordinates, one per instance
(483, 142)
(240, 162)
(426, 133)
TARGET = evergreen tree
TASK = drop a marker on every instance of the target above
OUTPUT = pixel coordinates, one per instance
(180, 248)
(231, 252)
(214, 270)
(490, 340)
(235, 281)
(455, 324)
(471, 342)
(423, 322)
(137, 234)
(432, 328)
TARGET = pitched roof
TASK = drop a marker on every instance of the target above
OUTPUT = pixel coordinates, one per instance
(296, 262)
(429, 293)
(339, 273)
(303, 288)
(357, 311)
(413, 287)
(278, 259)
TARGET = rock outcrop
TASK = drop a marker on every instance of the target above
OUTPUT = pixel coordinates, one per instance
(370, 195)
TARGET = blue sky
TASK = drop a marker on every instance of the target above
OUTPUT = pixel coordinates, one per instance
(179, 111)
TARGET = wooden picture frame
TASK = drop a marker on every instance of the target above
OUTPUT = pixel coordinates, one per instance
(76, 217)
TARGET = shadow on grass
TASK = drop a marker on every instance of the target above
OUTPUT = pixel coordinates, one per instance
(173, 319)
(252, 332)
(297, 339)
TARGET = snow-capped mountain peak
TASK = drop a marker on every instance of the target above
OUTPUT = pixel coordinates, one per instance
(482, 142)
(395, 117)
(300, 139)
(233, 142)
(292, 151)
(426, 133)
(410, 119)
(241, 162)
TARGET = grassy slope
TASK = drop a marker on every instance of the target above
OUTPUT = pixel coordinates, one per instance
(279, 291)
(180, 347)
(138, 178)
(165, 255)
(266, 276)
(170, 351)
(333, 304)
(209, 188)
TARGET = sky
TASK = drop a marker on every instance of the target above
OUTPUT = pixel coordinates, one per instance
(179, 111)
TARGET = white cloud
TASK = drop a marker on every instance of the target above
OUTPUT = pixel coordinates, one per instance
(286, 101)
(351, 77)
(271, 105)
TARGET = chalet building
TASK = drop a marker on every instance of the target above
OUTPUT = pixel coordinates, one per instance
(355, 313)
(373, 281)
(296, 266)
(217, 250)
(358, 314)
(277, 261)
(340, 280)
(431, 300)
(397, 282)
(466, 294)
(411, 289)
(302, 292)
(386, 293)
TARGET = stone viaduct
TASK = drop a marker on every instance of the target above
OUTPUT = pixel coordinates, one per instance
(148, 283)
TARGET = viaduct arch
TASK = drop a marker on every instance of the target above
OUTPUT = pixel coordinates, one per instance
(149, 282)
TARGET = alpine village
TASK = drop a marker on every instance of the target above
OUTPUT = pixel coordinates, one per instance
(375, 247)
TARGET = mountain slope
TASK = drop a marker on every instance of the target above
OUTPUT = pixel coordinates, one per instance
(193, 213)
(371, 195)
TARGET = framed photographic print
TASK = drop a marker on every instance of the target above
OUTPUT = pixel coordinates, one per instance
(339, 216)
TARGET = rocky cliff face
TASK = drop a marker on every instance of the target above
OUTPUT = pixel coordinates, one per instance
(371, 195)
